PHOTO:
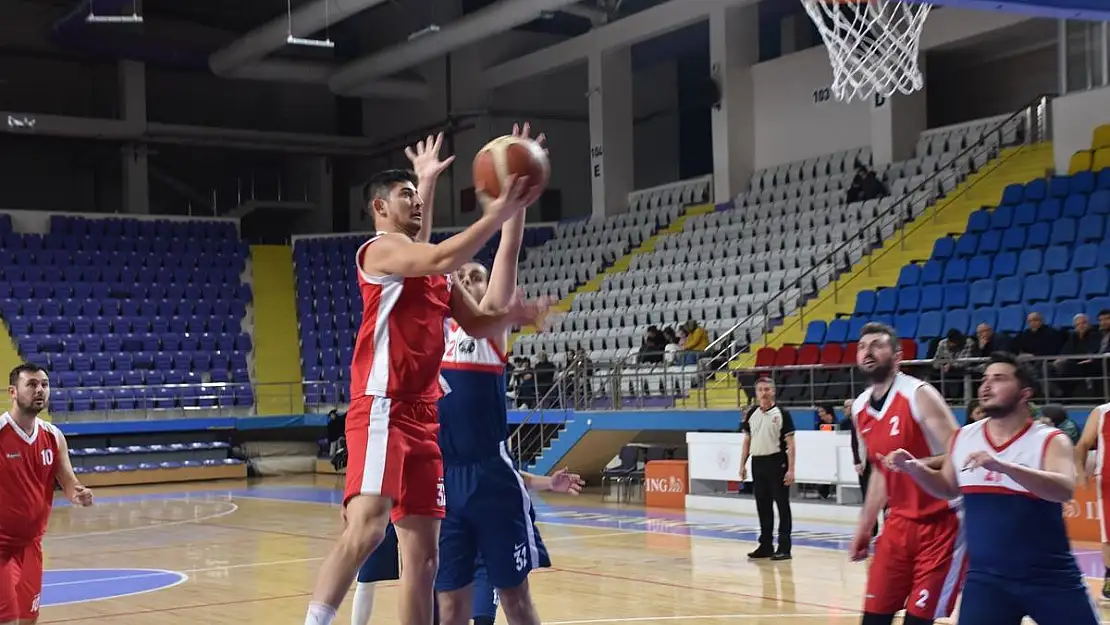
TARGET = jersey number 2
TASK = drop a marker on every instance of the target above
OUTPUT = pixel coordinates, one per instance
(922, 598)
(894, 429)
(47, 457)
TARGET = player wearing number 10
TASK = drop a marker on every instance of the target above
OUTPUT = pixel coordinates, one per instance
(33, 455)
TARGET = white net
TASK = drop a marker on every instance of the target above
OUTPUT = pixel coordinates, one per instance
(873, 45)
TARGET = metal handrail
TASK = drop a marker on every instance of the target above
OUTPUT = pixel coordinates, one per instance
(518, 448)
(810, 275)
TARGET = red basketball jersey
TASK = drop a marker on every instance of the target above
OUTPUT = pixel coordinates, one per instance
(898, 426)
(400, 342)
(28, 465)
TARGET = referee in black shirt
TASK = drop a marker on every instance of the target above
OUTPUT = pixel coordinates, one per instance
(769, 441)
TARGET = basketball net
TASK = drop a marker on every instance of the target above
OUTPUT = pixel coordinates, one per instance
(873, 45)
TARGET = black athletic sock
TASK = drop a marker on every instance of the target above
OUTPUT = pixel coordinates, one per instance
(876, 619)
(910, 619)
(483, 620)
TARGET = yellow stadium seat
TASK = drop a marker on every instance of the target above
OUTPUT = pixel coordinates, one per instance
(1102, 159)
(1101, 138)
(1080, 161)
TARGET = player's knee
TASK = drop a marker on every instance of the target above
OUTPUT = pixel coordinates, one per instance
(365, 526)
(453, 608)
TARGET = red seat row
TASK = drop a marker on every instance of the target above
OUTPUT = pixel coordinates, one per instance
(828, 354)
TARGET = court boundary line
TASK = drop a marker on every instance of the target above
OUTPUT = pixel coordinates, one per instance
(234, 507)
(181, 579)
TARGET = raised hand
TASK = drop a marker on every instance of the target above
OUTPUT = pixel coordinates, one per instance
(525, 132)
(528, 312)
(566, 482)
(424, 157)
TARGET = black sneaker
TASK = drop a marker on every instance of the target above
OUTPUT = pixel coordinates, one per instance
(761, 554)
(780, 556)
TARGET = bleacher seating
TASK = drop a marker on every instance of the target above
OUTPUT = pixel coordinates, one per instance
(329, 304)
(1043, 249)
(131, 314)
(724, 266)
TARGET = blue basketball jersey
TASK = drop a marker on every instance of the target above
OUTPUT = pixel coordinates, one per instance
(473, 418)
(1011, 533)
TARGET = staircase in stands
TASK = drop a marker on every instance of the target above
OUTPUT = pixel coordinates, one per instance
(913, 242)
(622, 264)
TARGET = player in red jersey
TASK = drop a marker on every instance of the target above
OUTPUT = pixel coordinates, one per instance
(33, 455)
(1096, 435)
(395, 469)
(919, 556)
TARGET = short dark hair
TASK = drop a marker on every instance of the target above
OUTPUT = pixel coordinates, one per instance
(27, 367)
(1021, 372)
(874, 327)
(381, 183)
(1104, 312)
(765, 380)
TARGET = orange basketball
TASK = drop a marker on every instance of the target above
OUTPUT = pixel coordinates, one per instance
(509, 155)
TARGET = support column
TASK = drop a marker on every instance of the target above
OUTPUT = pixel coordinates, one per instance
(611, 156)
(136, 183)
(733, 49)
(896, 124)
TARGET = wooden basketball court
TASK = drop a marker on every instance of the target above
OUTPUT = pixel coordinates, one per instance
(238, 552)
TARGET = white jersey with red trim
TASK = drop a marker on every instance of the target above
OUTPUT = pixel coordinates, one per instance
(1000, 514)
(473, 416)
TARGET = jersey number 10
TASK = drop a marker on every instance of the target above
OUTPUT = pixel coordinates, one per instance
(47, 457)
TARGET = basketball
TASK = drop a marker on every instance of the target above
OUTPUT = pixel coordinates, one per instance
(509, 155)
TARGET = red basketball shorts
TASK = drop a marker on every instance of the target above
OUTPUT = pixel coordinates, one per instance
(1102, 495)
(20, 582)
(919, 566)
(393, 451)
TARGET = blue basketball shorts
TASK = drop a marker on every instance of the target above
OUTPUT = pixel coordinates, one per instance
(988, 601)
(489, 515)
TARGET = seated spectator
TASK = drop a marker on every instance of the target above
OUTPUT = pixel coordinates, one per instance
(671, 346)
(1057, 417)
(865, 186)
(522, 384)
(697, 341)
(1037, 339)
(988, 342)
(1104, 331)
(974, 413)
(949, 373)
(1078, 371)
(825, 419)
(653, 346)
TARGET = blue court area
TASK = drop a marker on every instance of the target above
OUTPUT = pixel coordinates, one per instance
(65, 586)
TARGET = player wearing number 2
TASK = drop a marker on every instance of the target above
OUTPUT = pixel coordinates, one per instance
(919, 556)
(1014, 475)
(33, 456)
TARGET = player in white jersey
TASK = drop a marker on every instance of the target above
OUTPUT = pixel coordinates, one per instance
(1014, 475)
(1096, 435)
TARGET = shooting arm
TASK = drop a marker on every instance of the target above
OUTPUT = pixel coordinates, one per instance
(397, 256)
(67, 479)
(940, 483)
(502, 279)
(426, 187)
(1056, 481)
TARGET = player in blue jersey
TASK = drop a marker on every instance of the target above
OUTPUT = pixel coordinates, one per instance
(1014, 475)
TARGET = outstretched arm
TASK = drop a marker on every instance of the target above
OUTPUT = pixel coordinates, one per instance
(562, 482)
(427, 166)
(397, 255)
(67, 479)
(484, 323)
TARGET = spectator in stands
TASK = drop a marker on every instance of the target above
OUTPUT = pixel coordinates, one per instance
(653, 346)
(974, 413)
(949, 372)
(1057, 417)
(1076, 372)
(522, 384)
(671, 345)
(865, 185)
(1104, 331)
(544, 371)
(696, 342)
(825, 419)
(989, 342)
(1037, 339)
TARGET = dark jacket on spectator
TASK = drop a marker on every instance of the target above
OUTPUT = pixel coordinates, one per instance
(1045, 341)
(1086, 344)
